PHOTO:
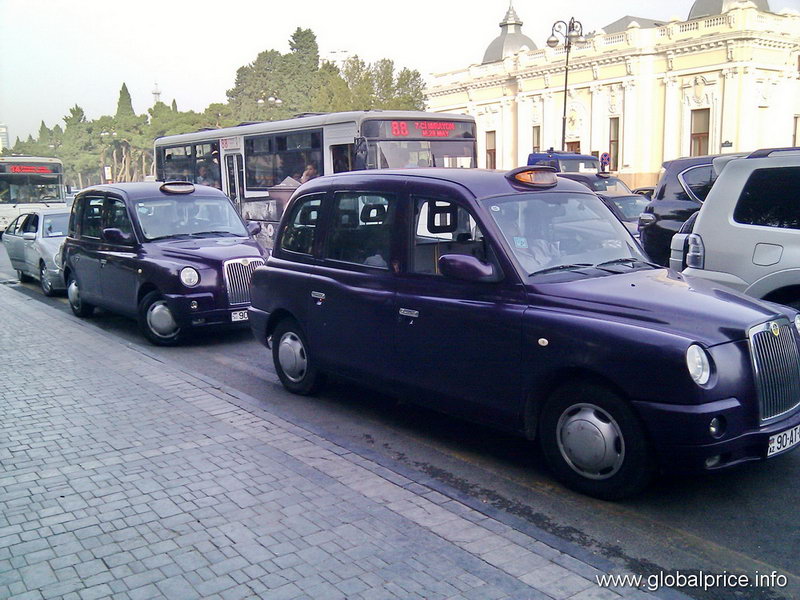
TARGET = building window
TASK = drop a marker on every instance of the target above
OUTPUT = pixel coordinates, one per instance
(491, 149)
(700, 124)
(796, 134)
(537, 138)
(574, 147)
(613, 143)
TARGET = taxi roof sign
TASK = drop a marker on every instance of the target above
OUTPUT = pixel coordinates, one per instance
(177, 187)
(534, 176)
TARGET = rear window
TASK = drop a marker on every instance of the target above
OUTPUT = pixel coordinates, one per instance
(770, 198)
(698, 181)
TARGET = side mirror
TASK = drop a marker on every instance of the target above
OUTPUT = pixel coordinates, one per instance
(115, 236)
(253, 227)
(467, 268)
(29, 236)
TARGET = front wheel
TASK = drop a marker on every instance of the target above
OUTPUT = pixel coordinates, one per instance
(44, 282)
(156, 321)
(594, 443)
(296, 368)
(23, 278)
(79, 307)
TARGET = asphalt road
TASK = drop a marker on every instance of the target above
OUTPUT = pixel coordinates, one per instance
(744, 521)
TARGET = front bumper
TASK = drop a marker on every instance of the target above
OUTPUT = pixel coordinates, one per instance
(683, 443)
(207, 313)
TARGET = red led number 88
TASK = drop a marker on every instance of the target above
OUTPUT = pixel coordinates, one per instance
(399, 128)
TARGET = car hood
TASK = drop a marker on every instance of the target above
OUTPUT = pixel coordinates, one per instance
(218, 249)
(661, 299)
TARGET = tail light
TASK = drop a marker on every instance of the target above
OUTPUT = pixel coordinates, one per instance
(696, 252)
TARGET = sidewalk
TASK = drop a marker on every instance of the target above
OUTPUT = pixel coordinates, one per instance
(125, 477)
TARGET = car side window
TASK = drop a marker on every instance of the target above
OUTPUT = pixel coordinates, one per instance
(698, 180)
(117, 216)
(444, 227)
(301, 226)
(362, 228)
(31, 224)
(92, 217)
(16, 225)
(769, 198)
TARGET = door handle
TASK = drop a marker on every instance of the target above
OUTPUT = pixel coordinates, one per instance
(319, 297)
(407, 312)
(103, 261)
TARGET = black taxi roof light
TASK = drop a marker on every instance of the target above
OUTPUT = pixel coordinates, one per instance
(177, 187)
(533, 176)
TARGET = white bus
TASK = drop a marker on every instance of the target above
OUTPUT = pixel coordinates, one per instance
(248, 162)
(27, 183)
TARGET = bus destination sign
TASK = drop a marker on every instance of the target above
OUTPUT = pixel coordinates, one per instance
(28, 169)
(420, 129)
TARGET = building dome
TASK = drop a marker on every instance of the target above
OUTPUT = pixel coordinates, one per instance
(707, 8)
(511, 39)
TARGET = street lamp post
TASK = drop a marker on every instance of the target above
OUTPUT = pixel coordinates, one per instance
(572, 33)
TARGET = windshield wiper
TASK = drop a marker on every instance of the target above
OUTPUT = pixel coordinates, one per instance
(199, 233)
(627, 260)
(171, 235)
(562, 268)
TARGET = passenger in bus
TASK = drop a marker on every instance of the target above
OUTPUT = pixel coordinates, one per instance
(309, 173)
(203, 177)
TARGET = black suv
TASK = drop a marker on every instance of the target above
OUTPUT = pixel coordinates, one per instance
(684, 184)
(174, 256)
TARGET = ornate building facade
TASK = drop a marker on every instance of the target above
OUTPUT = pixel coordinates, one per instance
(725, 80)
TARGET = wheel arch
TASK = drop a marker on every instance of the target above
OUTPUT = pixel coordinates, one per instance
(785, 295)
(539, 395)
(144, 289)
(276, 317)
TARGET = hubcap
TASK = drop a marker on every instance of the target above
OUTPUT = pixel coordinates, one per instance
(46, 285)
(292, 356)
(74, 294)
(160, 320)
(590, 441)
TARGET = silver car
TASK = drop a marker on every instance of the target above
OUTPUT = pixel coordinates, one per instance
(33, 243)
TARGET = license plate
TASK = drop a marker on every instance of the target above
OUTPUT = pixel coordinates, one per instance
(239, 315)
(783, 440)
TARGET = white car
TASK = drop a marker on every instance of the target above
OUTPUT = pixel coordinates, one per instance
(33, 242)
(747, 233)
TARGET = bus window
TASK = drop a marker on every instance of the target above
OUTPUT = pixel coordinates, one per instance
(178, 164)
(259, 162)
(207, 167)
(342, 157)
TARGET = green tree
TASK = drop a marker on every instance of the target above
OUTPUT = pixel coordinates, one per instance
(124, 104)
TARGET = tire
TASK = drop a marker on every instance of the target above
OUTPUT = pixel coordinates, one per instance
(79, 307)
(594, 443)
(44, 282)
(23, 278)
(295, 366)
(156, 321)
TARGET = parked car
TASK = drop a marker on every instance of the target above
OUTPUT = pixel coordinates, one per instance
(626, 205)
(518, 300)
(174, 256)
(565, 162)
(747, 233)
(681, 189)
(646, 191)
(33, 243)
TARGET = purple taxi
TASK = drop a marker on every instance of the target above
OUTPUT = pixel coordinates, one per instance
(519, 300)
(174, 256)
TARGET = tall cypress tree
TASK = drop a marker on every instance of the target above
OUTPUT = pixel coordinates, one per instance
(124, 104)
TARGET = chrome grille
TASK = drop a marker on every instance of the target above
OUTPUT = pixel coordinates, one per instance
(776, 364)
(237, 278)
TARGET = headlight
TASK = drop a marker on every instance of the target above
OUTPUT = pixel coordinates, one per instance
(797, 322)
(190, 277)
(698, 364)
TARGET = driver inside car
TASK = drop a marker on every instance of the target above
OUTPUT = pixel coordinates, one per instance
(531, 246)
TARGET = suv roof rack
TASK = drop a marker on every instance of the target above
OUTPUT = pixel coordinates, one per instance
(765, 152)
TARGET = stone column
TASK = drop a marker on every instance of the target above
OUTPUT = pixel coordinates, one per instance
(629, 125)
(672, 118)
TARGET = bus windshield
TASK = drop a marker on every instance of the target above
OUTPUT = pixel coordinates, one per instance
(26, 189)
(400, 155)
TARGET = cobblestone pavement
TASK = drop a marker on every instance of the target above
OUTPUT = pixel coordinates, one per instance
(125, 477)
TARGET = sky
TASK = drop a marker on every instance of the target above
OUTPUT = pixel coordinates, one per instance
(58, 53)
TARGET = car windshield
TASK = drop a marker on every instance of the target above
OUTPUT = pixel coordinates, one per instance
(55, 225)
(630, 206)
(561, 230)
(610, 185)
(188, 216)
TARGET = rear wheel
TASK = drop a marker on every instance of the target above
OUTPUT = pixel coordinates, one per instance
(79, 307)
(156, 321)
(594, 443)
(296, 368)
(44, 281)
